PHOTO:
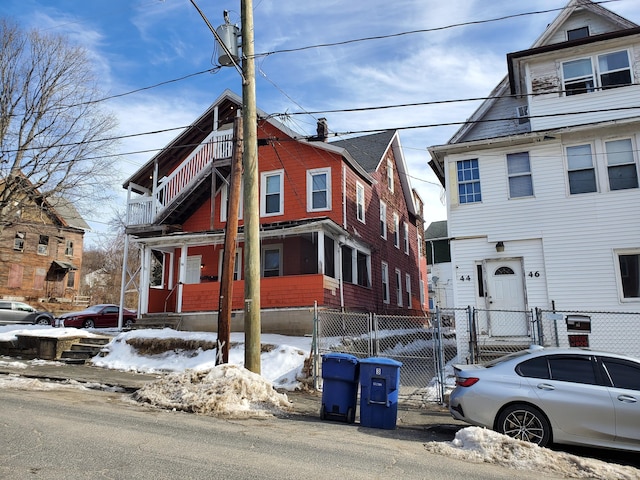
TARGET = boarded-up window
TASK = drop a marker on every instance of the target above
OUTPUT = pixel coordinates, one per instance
(38, 279)
(15, 275)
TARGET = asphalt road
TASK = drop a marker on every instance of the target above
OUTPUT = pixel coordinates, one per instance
(62, 434)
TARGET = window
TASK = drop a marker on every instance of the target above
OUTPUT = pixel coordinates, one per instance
(272, 261)
(319, 189)
(468, 181)
(398, 287)
(360, 201)
(622, 374)
(613, 70)
(383, 220)
(519, 170)
(582, 175)
(629, 265)
(572, 369)
(421, 285)
(385, 282)
(347, 264)
(390, 178)
(420, 251)
(406, 237)
(18, 241)
(329, 257)
(363, 262)
(396, 230)
(43, 245)
(224, 201)
(237, 264)
(407, 288)
(577, 33)
(68, 249)
(621, 165)
(272, 199)
(71, 280)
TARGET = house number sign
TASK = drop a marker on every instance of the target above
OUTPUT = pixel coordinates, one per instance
(534, 274)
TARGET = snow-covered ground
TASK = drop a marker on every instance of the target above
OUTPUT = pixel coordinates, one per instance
(192, 382)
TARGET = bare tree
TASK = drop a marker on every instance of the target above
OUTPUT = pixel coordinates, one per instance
(53, 131)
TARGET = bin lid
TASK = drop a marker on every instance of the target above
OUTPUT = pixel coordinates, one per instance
(337, 357)
(381, 361)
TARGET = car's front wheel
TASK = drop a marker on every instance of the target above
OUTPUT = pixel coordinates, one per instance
(43, 321)
(128, 323)
(525, 422)
(88, 323)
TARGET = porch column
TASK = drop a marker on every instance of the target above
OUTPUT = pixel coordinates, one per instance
(182, 275)
(321, 252)
(145, 278)
(172, 257)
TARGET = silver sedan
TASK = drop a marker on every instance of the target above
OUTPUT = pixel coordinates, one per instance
(544, 396)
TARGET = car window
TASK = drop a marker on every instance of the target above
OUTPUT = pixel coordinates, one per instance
(111, 310)
(536, 368)
(5, 305)
(622, 374)
(24, 307)
(572, 369)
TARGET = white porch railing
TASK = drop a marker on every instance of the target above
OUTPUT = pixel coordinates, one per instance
(144, 209)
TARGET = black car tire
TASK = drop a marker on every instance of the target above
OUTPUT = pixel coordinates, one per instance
(43, 321)
(88, 323)
(525, 422)
(128, 323)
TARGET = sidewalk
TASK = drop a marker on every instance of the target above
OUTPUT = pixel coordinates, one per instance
(305, 403)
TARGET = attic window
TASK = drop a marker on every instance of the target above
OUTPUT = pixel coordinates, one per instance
(43, 245)
(577, 33)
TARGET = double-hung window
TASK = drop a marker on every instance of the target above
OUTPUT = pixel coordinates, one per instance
(272, 199)
(406, 237)
(580, 169)
(468, 181)
(629, 271)
(390, 177)
(319, 189)
(360, 202)
(519, 170)
(383, 220)
(396, 230)
(611, 70)
(398, 287)
(385, 282)
(621, 164)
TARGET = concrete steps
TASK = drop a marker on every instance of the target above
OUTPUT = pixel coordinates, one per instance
(84, 349)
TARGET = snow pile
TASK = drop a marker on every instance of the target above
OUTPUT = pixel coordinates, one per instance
(226, 390)
(17, 382)
(481, 445)
(9, 333)
(171, 351)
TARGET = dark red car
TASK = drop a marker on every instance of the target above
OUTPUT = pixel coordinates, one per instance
(97, 316)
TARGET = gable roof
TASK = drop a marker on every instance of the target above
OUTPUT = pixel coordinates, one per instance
(369, 151)
(67, 213)
(436, 230)
(501, 93)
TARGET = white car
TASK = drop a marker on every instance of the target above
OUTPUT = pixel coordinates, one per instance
(541, 395)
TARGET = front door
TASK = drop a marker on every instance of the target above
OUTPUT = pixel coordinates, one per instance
(193, 269)
(505, 298)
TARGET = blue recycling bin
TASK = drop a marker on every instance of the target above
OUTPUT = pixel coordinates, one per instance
(379, 385)
(339, 387)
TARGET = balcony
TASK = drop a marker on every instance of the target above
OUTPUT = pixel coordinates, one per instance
(145, 206)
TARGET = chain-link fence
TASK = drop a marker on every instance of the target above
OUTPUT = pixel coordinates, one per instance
(424, 345)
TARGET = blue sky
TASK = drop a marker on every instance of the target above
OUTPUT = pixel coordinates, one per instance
(141, 43)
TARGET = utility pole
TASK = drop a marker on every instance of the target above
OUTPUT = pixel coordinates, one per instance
(230, 237)
(252, 324)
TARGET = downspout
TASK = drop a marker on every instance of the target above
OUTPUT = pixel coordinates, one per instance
(340, 279)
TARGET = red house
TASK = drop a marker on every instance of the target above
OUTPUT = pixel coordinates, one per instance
(340, 225)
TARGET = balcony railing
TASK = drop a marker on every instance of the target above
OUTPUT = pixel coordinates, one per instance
(144, 209)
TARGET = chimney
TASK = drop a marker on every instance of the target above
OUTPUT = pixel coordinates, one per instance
(323, 129)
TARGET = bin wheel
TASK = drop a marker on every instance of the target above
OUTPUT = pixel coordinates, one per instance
(351, 415)
(323, 413)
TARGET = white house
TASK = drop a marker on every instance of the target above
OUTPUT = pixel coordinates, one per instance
(542, 181)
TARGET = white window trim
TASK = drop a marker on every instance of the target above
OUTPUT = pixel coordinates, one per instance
(617, 253)
(383, 219)
(263, 193)
(421, 285)
(237, 274)
(406, 237)
(385, 283)
(607, 165)
(390, 176)
(595, 68)
(224, 199)
(310, 174)
(594, 167)
(407, 288)
(398, 287)
(278, 247)
(360, 188)
(420, 252)
(396, 230)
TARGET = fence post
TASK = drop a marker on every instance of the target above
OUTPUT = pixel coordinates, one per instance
(439, 353)
(314, 347)
(472, 333)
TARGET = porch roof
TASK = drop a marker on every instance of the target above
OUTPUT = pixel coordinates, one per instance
(216, 237)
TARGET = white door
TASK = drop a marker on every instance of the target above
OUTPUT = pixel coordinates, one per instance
(505, 298)
(193, 269)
